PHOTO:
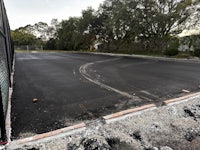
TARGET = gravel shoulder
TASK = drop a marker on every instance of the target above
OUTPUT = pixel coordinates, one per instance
(176, 126)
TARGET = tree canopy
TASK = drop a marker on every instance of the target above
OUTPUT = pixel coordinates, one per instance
(121, 24)
(22, 38)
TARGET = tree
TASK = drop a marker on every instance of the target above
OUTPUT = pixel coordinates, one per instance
(50, 44)
(69, 37)
(89, 27)
(53, 28)
(119, 21)
(52, 34)
(148, 24)
(27, 29)
(160, 19)
(22, 38)
(152, 22)
(41, 30)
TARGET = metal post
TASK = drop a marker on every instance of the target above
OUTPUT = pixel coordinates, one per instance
(3, 140)
(27, 48)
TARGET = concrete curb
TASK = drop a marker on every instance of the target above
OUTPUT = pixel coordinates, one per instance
(50, 134)
(146, 57)
(128, 111)
(175, 100)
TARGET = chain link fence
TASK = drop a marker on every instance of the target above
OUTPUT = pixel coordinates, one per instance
(28, 47)
(6, 60)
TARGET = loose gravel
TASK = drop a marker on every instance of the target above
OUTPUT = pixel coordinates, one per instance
(172, 127)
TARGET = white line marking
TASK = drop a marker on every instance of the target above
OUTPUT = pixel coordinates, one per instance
(83, 71)
(150, 94)
(74, 72)
(185, 91)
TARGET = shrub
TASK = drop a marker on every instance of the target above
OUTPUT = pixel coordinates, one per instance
(183, 55)
(171, 52)
(197, 52)
(173, 44)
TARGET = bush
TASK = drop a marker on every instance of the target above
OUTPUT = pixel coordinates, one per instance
(173, 44)
(197, 52)
(171, 52)
(183, 55)
(50, 45)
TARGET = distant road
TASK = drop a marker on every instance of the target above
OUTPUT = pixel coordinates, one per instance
(71, 87)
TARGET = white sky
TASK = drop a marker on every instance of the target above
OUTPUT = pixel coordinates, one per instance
(24, 12)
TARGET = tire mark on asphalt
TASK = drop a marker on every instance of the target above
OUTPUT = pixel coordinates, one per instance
(83, 71)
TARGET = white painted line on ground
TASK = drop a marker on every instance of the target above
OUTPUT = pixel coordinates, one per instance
(83, 71)
(150, 94)
(185, 91)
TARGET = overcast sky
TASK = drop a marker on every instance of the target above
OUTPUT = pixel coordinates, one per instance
(23, 12)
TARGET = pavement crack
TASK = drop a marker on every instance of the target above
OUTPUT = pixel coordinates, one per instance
(83, 71)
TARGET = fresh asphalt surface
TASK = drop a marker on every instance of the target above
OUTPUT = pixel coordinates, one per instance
(75, 87)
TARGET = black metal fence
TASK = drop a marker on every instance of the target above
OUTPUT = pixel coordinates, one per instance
(6, 60)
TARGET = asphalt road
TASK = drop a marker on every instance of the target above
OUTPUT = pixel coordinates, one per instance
(72, 87)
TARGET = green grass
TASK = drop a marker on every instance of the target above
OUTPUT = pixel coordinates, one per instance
(183, 55)
(146, 53)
